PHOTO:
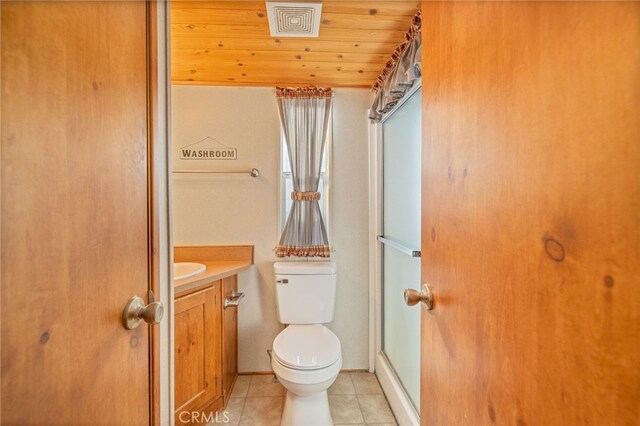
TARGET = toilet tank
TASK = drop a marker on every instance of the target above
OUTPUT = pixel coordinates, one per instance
(305, 292)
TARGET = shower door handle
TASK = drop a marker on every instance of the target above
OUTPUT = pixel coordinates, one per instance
(412, 297)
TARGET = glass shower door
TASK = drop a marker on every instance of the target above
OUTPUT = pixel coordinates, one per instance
(401, 212)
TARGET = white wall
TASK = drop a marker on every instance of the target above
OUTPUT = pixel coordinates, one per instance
(238, 209)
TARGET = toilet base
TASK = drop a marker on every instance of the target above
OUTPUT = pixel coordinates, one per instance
(311, 410)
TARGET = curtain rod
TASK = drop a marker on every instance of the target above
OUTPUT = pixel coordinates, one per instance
(251, 172)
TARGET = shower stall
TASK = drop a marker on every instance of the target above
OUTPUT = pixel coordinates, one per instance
(395, 253)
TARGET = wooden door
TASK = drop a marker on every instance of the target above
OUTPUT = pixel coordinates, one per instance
(531, 213)
(229, 338)
(198, 355)
(75, 240)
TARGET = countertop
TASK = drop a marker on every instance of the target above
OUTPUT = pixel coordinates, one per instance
(216, 270)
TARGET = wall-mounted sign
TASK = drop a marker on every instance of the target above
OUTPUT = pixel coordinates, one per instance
(208, 149)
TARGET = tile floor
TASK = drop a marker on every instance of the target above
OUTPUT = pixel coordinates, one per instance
(354, 399)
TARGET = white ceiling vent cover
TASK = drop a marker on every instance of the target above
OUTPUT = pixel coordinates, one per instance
(294, 19)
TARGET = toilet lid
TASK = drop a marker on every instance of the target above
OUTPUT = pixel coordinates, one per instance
(306, 347)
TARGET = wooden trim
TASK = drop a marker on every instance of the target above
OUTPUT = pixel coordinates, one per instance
(0, 215)
(229, 338)
(266, 83)
(153, 201)
(209, 253)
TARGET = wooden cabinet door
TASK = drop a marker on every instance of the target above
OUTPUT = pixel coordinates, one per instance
(197, 352)
(74, 237)
(531, 213)
(229, 338)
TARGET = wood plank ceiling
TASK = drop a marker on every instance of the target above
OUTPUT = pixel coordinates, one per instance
(227, 43)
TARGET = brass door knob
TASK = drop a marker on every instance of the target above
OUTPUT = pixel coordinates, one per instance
(136, 311)
(412, 297)
(153, 313)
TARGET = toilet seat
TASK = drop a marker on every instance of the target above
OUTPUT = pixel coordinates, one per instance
(306, 347)
(306, 377)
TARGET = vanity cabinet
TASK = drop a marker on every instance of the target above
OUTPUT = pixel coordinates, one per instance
(229, 336)
(198, 353)
(206, 331)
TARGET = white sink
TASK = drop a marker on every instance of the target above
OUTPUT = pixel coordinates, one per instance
(182, 270)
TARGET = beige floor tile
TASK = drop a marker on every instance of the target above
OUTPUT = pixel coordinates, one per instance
(241, 387)
(263, 385)
(366, 383)
(375, 409)
(342, 386)
(264, 401)
(345, 409)
(232, 412)
(264, 411)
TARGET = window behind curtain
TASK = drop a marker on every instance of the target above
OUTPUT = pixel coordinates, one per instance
(286, 184)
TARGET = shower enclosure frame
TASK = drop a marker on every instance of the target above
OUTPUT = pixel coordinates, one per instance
(404, 410)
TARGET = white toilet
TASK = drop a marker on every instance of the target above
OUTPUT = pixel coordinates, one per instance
(306, 355)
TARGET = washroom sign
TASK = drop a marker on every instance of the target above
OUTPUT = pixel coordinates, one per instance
(208, 149)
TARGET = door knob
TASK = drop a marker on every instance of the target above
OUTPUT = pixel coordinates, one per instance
(412, 297)
(136, 311)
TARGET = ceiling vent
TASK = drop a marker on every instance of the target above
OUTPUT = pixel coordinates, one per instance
(294, 19)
